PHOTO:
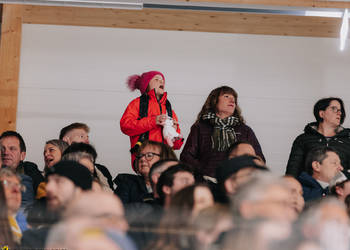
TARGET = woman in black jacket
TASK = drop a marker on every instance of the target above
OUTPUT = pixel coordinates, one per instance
(137, 188)
(326, 131)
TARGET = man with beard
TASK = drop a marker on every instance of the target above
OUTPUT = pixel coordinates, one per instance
(65, 182)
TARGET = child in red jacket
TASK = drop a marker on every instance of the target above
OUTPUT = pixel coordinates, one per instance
(145, 116)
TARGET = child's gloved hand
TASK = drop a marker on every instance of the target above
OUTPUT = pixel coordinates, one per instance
(169, 131)
(160, 119)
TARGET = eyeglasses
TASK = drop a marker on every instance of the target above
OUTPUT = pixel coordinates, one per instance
(11, 184)
(149, 156)
(335, 109)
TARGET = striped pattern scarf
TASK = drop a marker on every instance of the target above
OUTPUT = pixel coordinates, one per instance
(16, 231)
(224, 134)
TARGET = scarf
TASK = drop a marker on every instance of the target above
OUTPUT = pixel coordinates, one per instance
(16, 231)
(224, 135)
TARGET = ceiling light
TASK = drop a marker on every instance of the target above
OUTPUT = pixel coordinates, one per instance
(114, 4)
(344, 29)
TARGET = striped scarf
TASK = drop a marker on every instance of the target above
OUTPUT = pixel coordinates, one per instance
(224, 135)
(16, 231)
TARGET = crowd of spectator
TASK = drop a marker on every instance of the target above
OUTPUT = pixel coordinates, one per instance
(220, 194)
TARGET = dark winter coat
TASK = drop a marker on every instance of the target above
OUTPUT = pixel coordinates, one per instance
(311, 139)
(131, 188)
(198, 151)
(35, 238)
(312, 190)
(106, 174)
(31, 169)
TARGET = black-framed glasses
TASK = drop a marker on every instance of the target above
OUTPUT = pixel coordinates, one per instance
(335, 109)
(148, 156)
(11, 184)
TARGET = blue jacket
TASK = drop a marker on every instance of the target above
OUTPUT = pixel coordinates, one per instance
(21, 221)
(28, 195)
(311, 188)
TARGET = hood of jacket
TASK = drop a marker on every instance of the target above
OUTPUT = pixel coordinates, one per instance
(152, 95)
(307, 180)
(311, 128)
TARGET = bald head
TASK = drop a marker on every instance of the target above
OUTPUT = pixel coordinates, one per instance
(84, 233)
(103, 206)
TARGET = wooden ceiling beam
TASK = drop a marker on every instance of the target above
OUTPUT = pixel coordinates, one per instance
(290, 3)
(187, 20)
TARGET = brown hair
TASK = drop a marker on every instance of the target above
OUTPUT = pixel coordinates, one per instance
(8, 172)
(175, 230)
(61, 145)
(72, 126)
(6, 237)
(166, 152)
(213, 98)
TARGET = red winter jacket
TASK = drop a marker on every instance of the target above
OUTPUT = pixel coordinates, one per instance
(131, 125)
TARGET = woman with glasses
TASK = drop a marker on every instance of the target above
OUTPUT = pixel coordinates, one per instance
(137, 188)
(325, 131)
(218, 126)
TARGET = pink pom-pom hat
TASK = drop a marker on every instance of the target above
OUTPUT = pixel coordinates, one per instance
(141, 82)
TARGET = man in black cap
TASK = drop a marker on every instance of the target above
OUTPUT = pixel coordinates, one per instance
(66, 180)
(233, 173)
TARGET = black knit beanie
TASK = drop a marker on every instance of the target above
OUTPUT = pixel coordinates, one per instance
(74, 171)
(232, 166)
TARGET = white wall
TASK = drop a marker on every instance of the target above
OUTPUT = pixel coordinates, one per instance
(71, 74)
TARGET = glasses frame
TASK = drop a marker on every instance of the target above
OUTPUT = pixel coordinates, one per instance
(11, 184)
(335, 109)
(148, 156)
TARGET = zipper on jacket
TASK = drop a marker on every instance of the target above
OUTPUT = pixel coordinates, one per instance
(160, 108)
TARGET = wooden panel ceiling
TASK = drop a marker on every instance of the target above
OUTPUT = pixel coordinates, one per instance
(187, 20)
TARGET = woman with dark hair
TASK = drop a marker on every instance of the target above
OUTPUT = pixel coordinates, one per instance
(137, 188)
(325, 132)
(6, 237)
(175, 231)
(219, 124)
(193, 199)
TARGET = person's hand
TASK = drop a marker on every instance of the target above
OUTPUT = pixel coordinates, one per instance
(175, 123)
(160, 119)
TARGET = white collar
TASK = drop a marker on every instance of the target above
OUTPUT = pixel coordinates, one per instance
(323, 184)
